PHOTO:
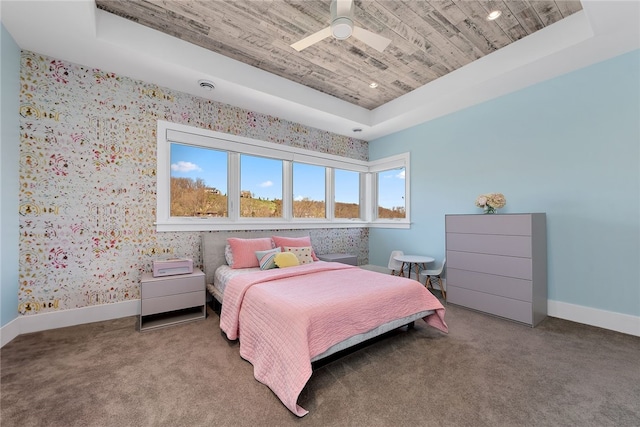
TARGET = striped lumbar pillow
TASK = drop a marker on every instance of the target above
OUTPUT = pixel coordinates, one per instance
(266, 259)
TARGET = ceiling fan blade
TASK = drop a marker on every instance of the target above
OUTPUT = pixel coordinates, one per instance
(374, 40)
(312, 39)
(343, 7)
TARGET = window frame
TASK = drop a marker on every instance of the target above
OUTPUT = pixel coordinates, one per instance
(283, 167)
(234, 145)
(327, 192)
(377, 167)
(331, 191)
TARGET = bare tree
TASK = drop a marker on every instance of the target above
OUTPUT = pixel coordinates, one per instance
(188, 197)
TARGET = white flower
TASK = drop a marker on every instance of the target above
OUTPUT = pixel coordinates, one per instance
(481, 201)
(492, 200)
(496, 200)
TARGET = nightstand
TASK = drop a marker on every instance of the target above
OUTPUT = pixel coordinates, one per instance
(343, 258)
(170, 300)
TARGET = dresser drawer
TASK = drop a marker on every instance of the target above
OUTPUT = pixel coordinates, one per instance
(172, 302)
(491, 264)
(495, 244)
(508, 287)
(161, 286)
(489, 224)
(519, 311)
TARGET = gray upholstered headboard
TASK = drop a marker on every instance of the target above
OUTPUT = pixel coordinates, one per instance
(213, 243)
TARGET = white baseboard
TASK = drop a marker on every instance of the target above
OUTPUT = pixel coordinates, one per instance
(625, 323)
(71, 317)
(618, 322)
(9, 331)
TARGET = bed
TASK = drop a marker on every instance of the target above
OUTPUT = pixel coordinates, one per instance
(287, 318)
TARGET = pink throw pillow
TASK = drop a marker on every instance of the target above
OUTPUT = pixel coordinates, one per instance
(244, 251)
(297, 242)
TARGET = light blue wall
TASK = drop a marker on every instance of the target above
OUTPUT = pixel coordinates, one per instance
(10, 155)
(568, 147)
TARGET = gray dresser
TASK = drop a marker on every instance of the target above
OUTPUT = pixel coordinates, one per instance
(497, 263)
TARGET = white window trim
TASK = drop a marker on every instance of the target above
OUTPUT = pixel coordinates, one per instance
(178, 133)
(394, 162)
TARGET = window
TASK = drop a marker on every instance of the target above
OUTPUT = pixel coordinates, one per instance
(198, 182)
(309, 191)
(347, 194)
(260, 187)
(391, 194)
(390, 190)
(209, 180)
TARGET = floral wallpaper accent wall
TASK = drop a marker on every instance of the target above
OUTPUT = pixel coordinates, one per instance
(88, 180)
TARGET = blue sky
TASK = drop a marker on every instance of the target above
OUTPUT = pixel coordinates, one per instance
(263, 177)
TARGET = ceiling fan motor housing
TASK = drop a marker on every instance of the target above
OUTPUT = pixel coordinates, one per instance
(341, 28)
(342, 22)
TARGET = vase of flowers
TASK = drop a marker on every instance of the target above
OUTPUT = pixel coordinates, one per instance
(491, 202)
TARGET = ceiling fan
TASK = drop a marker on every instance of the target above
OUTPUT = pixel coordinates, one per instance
(342, 28)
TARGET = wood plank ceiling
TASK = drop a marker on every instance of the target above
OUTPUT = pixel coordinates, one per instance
(428, 38)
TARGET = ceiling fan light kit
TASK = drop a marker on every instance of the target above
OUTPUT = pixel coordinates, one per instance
(342, 28)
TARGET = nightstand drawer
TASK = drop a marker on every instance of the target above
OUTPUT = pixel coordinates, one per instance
(172, 302)
(162, 286)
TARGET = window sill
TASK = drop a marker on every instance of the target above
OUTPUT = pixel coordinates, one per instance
(196, 224)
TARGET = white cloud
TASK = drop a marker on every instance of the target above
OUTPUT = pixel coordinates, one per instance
(299, 198)
(185, 167)
(266, 184)
(399, 175)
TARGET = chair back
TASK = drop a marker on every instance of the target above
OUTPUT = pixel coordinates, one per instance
(393, 264)
(434, 272)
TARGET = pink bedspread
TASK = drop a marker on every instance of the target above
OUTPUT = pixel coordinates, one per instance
(285, 317)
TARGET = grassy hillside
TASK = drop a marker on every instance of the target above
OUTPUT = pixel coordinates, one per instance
(193, 198)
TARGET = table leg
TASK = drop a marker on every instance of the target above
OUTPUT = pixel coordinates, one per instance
(402, 270)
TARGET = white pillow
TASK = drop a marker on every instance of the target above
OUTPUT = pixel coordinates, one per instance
(303, 253)
(228, 255)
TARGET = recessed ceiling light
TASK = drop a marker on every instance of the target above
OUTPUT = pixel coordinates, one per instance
(206, 84)
(373, 85)
(494, 15)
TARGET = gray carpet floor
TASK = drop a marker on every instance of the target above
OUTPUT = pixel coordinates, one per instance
(485, 372)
